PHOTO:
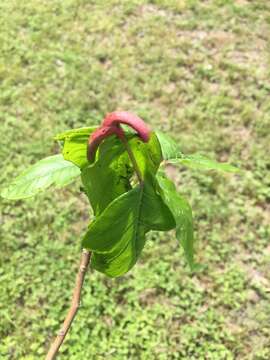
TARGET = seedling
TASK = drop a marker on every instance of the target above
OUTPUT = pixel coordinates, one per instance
(122, 173)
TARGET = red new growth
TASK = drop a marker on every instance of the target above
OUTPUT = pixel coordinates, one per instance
(124, 117)
(111, 126)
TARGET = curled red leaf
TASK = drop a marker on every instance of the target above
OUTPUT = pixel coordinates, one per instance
(123, 117)
(111, 126)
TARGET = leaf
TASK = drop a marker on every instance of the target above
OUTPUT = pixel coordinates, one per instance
(168, 146)
(75, 145)
(200, 162)
(182, 215)
(109, 176)
(74, 133)
(123, 215)
(147, 155)
(171, 152)
(51, 170)
(117, 236)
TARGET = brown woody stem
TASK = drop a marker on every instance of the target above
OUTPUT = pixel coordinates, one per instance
(75, 304)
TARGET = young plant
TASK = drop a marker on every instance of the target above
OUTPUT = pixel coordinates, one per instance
(122, 172)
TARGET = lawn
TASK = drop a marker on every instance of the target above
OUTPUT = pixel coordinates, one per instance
(196, 69)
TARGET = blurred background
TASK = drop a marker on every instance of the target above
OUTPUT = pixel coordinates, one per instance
(198, 70)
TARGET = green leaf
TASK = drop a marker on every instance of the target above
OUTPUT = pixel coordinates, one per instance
(168, 146)
(75, 145)
(51, 170)
(182, 215)
(123, 215)
(109, 176)
(147, 155)
(117, 236)
(74, 133)
(200, 162)
(171, 152)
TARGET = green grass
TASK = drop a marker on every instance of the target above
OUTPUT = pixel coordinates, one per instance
(196, 69)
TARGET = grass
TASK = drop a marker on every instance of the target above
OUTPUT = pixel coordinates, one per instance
(196, 69)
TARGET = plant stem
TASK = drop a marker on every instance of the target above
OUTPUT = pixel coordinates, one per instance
(132, 159)
(75, 304)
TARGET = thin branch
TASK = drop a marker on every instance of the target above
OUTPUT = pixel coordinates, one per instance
(75, 304)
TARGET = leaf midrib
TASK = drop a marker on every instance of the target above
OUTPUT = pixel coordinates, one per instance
(142, 187)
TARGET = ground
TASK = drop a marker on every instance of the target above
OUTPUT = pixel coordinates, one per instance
(198, 70)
